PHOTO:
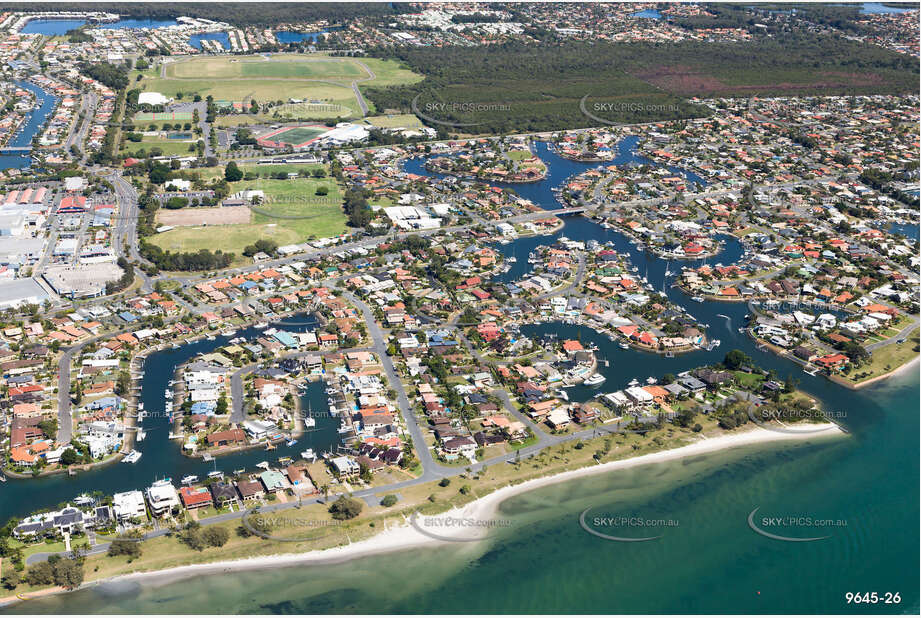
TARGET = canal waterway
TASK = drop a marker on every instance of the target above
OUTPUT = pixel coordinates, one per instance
(161, 457)
(33, 125)
(710, 562)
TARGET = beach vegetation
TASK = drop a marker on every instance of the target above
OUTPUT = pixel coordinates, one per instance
(345, 508)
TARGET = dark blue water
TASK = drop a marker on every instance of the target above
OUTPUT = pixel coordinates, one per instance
(871, 8)
(34, 123)
(221, 37)
(56, 27)
(137, 24)
(287, 36)
(161, 456)
(560, 169)
(52, 27)
(712, 564)
(905, 229)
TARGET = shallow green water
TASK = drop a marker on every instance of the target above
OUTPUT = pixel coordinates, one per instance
(711, 561)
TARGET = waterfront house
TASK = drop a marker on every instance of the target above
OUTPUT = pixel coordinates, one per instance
(162, 498)
(273, 480)
(227, 437)
(193, 498)
(345, 467)
(129, 506)
(250, 490)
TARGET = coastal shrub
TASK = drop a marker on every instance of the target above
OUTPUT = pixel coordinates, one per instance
(40, 574)
(68, 574)
(216, 536)
(192, 537)
(444, 482)
(121, 547)
(465, 489)
(345, 508)
(11, 579)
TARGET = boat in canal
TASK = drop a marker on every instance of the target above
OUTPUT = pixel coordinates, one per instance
(132, 457)
(594, 380)
(188, 480)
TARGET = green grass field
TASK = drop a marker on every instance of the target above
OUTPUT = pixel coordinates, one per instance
(312, 77)
(285, 65)
(170, 147)
(209, 173)
(298, 135)
(232, 238)
(407, 121)
(153, 116)
(519, 155)
(292, 213)
(331, 109)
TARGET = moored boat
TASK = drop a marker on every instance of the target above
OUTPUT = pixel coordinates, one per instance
(594, 379)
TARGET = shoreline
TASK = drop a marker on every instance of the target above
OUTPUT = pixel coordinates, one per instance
(895, 372)
(405, 536)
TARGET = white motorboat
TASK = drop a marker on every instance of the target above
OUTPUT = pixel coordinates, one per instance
(697, 299)
(309, 422)
(263, 464)
(562, 395)
(132, 457)
(188, 480)
(261, 325)
(217, 474)
(308, 455)
(207, 457)
(291, 442)
(624, 345)
(594, 379)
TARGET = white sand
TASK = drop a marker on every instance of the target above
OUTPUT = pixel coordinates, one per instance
(408, 536)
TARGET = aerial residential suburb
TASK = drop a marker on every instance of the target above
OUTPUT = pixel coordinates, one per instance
(467, 308)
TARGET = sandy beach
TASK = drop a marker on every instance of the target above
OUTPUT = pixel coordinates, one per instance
(909, 366)
(414, 533)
